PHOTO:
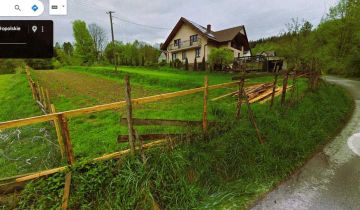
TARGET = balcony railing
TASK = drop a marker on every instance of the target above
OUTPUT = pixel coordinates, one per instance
(184, 45)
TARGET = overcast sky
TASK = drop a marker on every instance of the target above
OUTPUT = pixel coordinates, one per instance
(262, 18)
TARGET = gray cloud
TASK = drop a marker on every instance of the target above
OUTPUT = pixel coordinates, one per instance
(261, 18)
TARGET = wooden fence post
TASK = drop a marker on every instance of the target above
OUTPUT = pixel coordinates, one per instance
(39, 92)
(70, 158)
(67, 140)
(274, 86)
(129, 114)
(285, 84)
(66, 194)
(58, 131)
(252, 119)
(240, 96)
(206, 93)
(28, 76)
(48, 102)
(43, 96)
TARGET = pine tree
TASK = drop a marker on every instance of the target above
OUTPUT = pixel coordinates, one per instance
(203, 66)
(195, 65)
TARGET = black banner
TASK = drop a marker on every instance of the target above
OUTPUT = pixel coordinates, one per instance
(26, 39)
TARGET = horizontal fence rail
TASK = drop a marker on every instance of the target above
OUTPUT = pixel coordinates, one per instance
(111, 106)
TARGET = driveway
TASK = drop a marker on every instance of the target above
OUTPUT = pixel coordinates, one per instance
(331, 179)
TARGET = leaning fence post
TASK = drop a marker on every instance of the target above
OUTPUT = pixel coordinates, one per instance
(70, 158)
(240, 96)
(43, 102)
(206, 92)
(39, 92)
(48, 103)
(285, 83)
(129, 114)
(66, 194)
(67, 140)
(58, 131)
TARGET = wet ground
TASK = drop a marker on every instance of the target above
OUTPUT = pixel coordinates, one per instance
(331, 179)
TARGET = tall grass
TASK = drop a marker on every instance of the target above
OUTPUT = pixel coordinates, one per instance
(228, 171)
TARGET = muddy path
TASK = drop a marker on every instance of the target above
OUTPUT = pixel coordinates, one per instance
(331, 179)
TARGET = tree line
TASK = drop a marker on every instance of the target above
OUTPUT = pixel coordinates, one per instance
(333, 46)
(90, 47)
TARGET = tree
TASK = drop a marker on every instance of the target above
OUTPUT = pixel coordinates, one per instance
(68, 48)
(195, 65)
(84, 44)
(220, 57)
(98, 36)
(203, 66)
(186, 64)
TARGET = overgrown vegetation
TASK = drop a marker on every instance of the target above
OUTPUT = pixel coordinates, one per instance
(231, 162)
(220, 58)
(334, 46)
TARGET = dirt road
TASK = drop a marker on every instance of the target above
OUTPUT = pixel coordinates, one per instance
(331, 179)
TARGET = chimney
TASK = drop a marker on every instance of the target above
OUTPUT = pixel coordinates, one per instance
(208, 29)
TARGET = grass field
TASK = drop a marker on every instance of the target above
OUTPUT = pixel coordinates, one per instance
(96, 134)
(78, 87)
(227, 172)
(26, 149)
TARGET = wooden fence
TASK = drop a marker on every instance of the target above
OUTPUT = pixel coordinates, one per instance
(60, 121)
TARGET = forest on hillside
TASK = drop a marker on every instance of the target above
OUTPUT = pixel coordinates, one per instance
(333, 46)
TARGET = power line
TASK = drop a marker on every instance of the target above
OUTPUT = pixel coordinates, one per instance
(91, 5)
(142, 25)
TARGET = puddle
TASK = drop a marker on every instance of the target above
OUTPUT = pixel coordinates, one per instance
(354, 143)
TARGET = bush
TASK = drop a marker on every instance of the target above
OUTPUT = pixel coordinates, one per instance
(40, 64)
(186, 64)
(178, 64)
(220, 57)
(162, 63)
(195, 65)
(9, 66)
(203, 65)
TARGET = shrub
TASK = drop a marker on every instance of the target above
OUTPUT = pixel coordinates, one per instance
(9, 66)
(195, 65)
(178, 64)
(186, 64)
(220, 57)
(203, 65)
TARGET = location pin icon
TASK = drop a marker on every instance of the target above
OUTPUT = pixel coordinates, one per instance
(34, 28)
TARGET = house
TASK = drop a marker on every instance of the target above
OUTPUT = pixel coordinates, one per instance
(193, 41)
(267, 53)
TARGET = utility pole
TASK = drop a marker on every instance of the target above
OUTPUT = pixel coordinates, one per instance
(113, 39)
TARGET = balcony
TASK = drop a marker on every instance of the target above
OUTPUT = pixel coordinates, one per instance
(187, 44)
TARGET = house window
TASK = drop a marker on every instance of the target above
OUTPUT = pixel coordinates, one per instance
(184, 55)
(174, 56)
(197, 52)
(177, 43)
(193, 38)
